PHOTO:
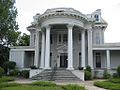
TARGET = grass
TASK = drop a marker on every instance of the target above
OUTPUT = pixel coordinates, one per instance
(6, 79)
(38, 86)
(111, 84)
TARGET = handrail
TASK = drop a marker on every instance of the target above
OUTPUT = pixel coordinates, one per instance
(53, 72)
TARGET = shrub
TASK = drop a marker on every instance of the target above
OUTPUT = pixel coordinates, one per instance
(25, 73)
(14, 73)
(115, 75)
(40, 83)
(33, 67)
(118, 70)
(1, 71)
(88, 75)
(88, 68)
(9, 65)
(6, 79)
(106, 75)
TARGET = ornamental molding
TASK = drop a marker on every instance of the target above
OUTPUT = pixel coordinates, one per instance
(60, 13)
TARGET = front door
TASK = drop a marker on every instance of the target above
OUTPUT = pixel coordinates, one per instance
(63, 60)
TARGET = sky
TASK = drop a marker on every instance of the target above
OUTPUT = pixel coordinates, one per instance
(110, 12)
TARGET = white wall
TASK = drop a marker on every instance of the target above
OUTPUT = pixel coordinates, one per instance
(18, 57)
(115, 58)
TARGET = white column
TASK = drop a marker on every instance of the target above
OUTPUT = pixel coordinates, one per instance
(108, 59)
(47, 51)
(83, 49)
(43, 50)
(36, 49)
(90, 52)
(70, 47)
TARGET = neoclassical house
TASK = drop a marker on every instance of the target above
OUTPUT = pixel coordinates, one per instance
(68, 38)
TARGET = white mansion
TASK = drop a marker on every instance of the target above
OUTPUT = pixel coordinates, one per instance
(68, 38)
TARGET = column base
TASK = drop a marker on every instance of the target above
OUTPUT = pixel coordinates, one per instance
(70, 68)
(41, 67)
(47, 68)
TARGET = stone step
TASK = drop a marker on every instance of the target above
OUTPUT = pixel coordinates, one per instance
(60, 74)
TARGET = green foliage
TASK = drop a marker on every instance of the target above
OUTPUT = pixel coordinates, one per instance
(28, 87)
(118, 70)
(115, 75)
(24, 40)
(1, 71)
(40, 83)
(88, 75)
(9, 65)
(14, 73)
(106, 75)
(9, 85)
(73, 87)
(8, 24)
(6, 79)
(4, 54)
(88, 68)
(107, 85)
(39, 86)
(114, 80)
(25, 73)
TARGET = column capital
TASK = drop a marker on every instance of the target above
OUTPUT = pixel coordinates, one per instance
(70, 26)
(47, 26)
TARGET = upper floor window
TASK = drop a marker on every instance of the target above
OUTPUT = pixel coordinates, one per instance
(64, 38)
(96, 17)
(79, 36)
(97, 38)
(59, 38)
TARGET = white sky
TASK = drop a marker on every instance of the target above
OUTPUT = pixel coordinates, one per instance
(110, 12)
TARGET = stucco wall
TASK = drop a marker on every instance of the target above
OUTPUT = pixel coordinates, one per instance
(18, 57)
(115, 58)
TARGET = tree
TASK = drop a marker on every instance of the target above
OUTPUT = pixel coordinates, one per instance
(8, 24)
(24, 40)
(4, 54)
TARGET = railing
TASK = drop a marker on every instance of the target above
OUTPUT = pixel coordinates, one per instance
(53, 72)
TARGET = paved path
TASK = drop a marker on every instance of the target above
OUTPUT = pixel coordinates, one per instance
(87, 84)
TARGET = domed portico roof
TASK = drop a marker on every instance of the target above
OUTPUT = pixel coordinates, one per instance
(60, 13)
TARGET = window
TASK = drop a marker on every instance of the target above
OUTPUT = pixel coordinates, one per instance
(51, 38)
(97, 38)
(59, 38)
(96, 17)
(79, 36)
(98, 60)
(80, 59)
(34, 37)
(64, 38)
(50, 59)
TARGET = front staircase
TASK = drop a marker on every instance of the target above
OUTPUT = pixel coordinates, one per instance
(59, 75)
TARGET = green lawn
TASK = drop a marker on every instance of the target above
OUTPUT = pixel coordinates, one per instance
(111, 84)
(5, 85)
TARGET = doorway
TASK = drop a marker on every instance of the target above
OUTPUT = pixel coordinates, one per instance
(63, 60)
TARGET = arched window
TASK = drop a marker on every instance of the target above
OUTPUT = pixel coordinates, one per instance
(96, 17)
